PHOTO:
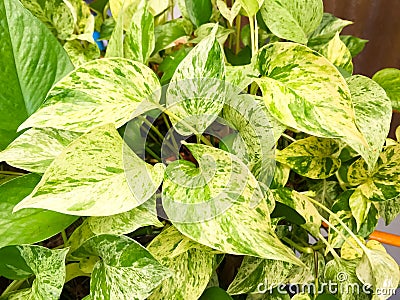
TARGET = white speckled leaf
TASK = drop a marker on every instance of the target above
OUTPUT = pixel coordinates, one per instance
(389, 209)
(89, 178)
(192, 265)
(109, 90)
(292, 20)
(258, 131)
(83, 19)
(373, 114)
(380, 270)
(80, 53)
(303, 206)
(359, 206)
(36, 148)
(311, 157)
(126, 270)
(55, 14)
(47, 265)
(389, 79)
(303, 90)
(383, 182)
(221, 205)
(241, 76)
(229, 13)
(338, 54)
(196, 92)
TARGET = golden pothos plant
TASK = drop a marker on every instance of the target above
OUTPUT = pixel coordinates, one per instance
(192, 149)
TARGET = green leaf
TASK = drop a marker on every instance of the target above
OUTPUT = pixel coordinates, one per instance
(258, 132)
(342, 273)
(241, 76)
(206, 29)
(47, 265)
(229, 13)
(171, 62)
(32, 61)
(297, 85)
(98, 93)
(93, 169)
(292, 20)
(221, 205)
(354, 44)
(56, 14)
(379, 270)
(170, 33)
(338, 54)
(303, 206)
(326, 30)
(389, 79)
(251, 6)
(126, 270)
(192, 265)
(373, 114)
(80, 53)
(36, 148)
(311, 157)
(215, 293)
(196, 92)
(199, 11)
(30, 225)
(383, 183)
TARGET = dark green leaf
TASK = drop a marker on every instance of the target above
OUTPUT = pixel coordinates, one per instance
(214, 293)
(199, 11)
(389, 79)
(354, 44)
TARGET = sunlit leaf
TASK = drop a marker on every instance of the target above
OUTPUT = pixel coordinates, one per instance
(389, 79)
(338, 54)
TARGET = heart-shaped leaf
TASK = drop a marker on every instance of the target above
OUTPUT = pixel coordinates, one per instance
(389, 79)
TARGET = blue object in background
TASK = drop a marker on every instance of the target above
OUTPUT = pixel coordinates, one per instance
(96, 36)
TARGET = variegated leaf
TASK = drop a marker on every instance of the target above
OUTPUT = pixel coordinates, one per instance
(303, 90)
(80, 53)
(326, 192)
(354, 44)
(90, 173)
(311, 157)
(83, 19)
(379, 270)
(206, 29)
(196, 93)
(221, 205)
(47, 265)
(103, 91)
(192, 265)
(389, 79)
(55, 14)
(241, 76)
(338, 54)
(303, 206)
(292, 20)
(229, 13)
(30, 225)
(326, 30)
(389, 209)
(36, 148)
(373, 114)
(126, 270)
(258, 131)
(359, 206)
(383, 182)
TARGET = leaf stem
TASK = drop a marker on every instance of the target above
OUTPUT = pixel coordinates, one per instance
(329, 246)
(153, 154)
(12, 173)
(151, 126)
(289, 137)
(13, 286)
(64, 237)
(238, 28)
(296, 246)
(252, 30)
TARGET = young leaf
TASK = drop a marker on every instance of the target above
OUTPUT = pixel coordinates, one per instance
(297, 83)
(196, 92)
(229, 14)
(192, 265)
(199, 11)
(373, 113)
(251, 7)
(311, 157)
(91, 171)
(31, 225)
(47, 265)
(205, 30)
(354, 44)
(36, 148)
(221, 205)
(389, 79)
(292, 20)
(32, 61)
(126, 270)
(338, 54)
(379, 270)
(103, 91)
